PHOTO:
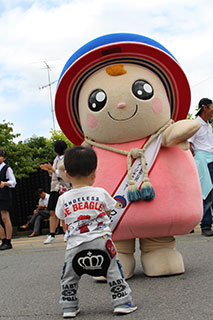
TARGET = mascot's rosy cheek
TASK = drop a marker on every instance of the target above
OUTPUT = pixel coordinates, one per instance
(91, 121)
(157, 106)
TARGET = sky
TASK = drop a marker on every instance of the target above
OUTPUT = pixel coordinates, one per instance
(40, 33)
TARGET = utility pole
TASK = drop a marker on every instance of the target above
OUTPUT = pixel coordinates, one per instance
(49, 84)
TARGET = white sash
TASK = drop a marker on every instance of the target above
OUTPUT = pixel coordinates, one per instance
(137, 175)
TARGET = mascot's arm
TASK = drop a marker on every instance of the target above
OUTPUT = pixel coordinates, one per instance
(179, 132)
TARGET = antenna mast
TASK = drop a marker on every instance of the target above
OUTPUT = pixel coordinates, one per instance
(50, 91)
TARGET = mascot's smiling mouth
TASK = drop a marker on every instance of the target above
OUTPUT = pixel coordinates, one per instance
(136, 109)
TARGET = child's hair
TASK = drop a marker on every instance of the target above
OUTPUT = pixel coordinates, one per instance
(60, 146)
(80, 161)
(3, 153)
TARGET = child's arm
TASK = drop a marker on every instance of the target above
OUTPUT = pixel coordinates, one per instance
(110, 203)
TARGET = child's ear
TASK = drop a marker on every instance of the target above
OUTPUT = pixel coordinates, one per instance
(67, 176)
(93, 174)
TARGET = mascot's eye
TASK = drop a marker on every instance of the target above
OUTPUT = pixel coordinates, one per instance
(97, 100)
(142, 89)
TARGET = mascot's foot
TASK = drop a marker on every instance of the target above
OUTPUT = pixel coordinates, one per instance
(100, 279)
(162, 262)
(127, 261)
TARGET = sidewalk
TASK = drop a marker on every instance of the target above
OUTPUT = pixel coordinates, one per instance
(23, 242)
(36, 242)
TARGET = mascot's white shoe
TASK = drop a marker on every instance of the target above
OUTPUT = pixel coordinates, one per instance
(162, 262)
(127, 262)
(100, 279)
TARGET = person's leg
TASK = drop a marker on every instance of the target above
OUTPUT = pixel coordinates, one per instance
(7, 223)
(206, 222)
(37, 225)
(116, 281)
(60, 227)
(40, 215)
(33, 218)
(53, 222)
(2, 235)
(30, 222)
(69, 286)
(8, 229)
(207, 219)
(119, 288)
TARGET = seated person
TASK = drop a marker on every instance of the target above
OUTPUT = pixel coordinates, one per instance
(39, 214)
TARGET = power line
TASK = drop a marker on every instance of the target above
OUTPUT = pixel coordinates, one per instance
(196, 84)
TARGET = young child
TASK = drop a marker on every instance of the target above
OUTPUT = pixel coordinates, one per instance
(90, 249)
(7, 181)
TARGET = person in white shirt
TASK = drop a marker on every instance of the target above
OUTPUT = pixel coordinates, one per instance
(90, 249)
(7, 181)
(56, 181)
(202, 147)
(39, 214)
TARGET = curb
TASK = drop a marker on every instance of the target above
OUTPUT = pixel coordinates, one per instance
(37, 242)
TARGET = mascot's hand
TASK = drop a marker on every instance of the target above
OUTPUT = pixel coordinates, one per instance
(179, 132)
(185, 145)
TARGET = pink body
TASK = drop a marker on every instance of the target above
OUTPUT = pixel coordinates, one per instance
(177, 206)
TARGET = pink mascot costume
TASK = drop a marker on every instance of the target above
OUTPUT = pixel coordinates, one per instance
(126, 96)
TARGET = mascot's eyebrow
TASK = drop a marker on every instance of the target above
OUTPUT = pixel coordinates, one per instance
(116, 70)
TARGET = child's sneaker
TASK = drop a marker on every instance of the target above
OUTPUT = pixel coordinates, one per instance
(50, 239)
(125, 308)
(71, 313)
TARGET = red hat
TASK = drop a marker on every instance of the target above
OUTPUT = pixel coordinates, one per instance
(111, 49)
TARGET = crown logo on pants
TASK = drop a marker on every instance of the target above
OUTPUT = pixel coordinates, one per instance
(91, 262)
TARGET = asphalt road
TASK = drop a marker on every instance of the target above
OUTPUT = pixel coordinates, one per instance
(30, 285)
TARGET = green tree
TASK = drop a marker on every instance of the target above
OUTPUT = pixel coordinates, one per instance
(19, 156)
(190, 116)
(26, 156)
(6, 134)
(42, 149)
(58, 134)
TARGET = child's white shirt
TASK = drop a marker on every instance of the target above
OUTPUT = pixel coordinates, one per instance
(84, 211)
